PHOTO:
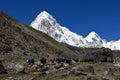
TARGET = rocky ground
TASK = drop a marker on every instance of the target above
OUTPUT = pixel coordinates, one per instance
(63, 71)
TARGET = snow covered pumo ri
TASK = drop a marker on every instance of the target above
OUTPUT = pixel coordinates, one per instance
(47, 24)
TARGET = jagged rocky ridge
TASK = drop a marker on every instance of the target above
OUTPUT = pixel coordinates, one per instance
(47, 24)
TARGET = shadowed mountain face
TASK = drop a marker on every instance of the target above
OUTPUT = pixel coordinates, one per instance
(18, 40)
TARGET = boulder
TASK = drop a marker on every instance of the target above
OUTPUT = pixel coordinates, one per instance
(109, 72)
(81, 69)
(11, 78)
(2, 69)
(44, 69)
(103, 55)
(74, 69)
(59, 65)
(19, 68)
(88, 69)
(78, 73)
(95, 78)
(117, 77)
(11, 67)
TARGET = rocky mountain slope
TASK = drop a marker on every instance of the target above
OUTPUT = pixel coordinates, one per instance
(18, 41)
(46, 23)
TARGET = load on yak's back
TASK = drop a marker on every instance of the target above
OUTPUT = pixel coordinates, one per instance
(31, 60)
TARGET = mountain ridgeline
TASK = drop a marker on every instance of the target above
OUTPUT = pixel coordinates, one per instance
(46, 23)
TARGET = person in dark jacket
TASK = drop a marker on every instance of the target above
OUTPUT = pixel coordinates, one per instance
(68, 61)
(43, 60)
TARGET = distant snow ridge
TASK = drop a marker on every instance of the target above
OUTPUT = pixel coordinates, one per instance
(46, 23)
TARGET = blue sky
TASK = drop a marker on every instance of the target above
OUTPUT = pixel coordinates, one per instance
(80, 16)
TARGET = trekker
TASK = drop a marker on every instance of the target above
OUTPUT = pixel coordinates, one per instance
(43, 60)
(68, 61)
(52, 60)
(31, 60)
(60, 59)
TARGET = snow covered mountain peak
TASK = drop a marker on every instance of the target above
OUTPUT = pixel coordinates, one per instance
(43, 22)
(95, 39)
(43, 15)
(93, 36)
(46, 23)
